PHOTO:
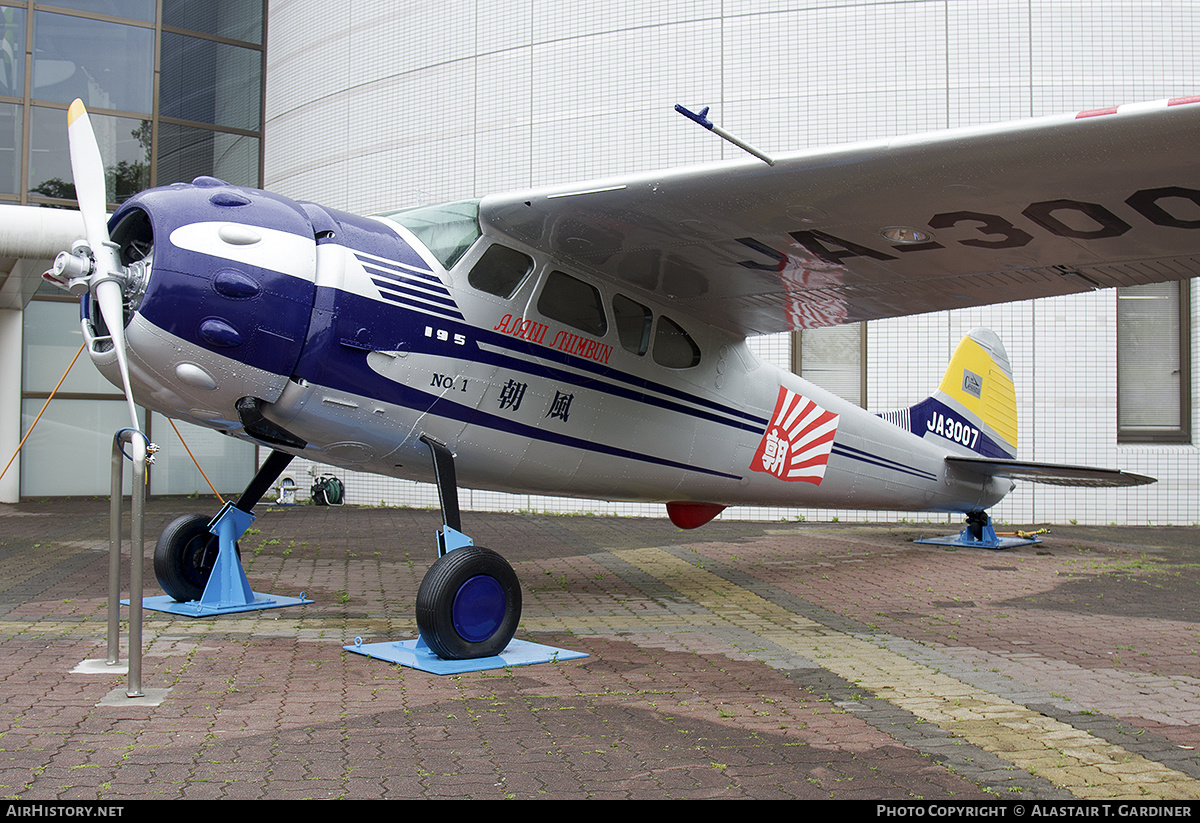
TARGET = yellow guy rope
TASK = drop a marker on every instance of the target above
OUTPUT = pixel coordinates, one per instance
(39, 414)
(51, 397)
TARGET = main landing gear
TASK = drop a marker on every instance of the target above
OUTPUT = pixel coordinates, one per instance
(198, 564)
(468, 605)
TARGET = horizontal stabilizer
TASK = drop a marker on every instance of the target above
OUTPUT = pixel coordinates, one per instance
(1053, 473)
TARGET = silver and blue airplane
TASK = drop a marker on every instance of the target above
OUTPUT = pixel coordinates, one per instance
(591, 340)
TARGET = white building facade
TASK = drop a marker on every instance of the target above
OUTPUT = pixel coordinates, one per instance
(388, 105)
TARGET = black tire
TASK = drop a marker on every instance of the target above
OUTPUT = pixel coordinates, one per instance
(469, 604)
(184, 557)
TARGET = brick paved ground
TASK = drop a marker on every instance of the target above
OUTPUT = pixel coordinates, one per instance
(743, 660)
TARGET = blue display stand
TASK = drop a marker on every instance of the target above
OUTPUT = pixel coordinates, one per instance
(228, 591)
(987, 539)
(414, 654)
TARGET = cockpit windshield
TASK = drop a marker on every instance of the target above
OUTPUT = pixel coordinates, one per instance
(447, 230)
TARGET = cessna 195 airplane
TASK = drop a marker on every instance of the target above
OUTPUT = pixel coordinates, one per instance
(590, 340)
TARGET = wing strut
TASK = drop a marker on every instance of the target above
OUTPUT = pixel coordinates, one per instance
(701, 117)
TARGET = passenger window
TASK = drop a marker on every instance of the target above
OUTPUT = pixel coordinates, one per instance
(673, 347)
(571, 301)
(633, 324)
(500, 271)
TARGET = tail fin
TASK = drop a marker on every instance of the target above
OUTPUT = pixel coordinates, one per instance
(974, 410)
(974, 413)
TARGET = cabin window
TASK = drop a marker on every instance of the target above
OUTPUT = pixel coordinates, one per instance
(500, 271)
(673, 347)
(447, 230)
(574, 302)
(633, 324)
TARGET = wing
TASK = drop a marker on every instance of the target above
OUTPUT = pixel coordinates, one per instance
(942, 221)
(1050, 473)
(30, 237)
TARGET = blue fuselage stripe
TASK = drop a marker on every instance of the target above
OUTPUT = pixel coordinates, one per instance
(604, 386)
(607, 374)
(875, 460)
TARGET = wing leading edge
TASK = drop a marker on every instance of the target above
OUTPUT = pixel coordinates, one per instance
(947, 220)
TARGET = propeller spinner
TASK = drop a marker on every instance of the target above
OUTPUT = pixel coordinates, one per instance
(95, 265)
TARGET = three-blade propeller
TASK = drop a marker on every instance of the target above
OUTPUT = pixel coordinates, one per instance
(95, 267)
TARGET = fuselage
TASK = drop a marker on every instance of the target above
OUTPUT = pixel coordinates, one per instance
(343, 339)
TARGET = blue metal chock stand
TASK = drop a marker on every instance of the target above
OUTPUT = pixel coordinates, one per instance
(228, 591)
(414, 654)
(979, 534)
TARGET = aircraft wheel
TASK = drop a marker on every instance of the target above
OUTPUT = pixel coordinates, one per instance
(184, 557)
(469, 604)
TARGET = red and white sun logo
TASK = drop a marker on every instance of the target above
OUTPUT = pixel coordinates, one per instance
(797, 442)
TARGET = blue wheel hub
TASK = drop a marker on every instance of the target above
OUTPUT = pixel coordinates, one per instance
(479, 608)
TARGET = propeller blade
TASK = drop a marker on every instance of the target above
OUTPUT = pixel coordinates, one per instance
(88, 171)
(106, 282)
(111, 300)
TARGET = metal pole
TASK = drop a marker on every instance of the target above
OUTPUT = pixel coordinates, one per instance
(136, 561)
(114, 557)
(137, 537)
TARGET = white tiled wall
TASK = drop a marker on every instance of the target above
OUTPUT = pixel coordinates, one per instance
(387, 105)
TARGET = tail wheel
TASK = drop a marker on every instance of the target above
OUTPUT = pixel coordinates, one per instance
(469, 604)
(184, 557)
(976, 521)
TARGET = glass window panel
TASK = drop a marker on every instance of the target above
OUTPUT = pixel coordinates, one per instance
(185, 153)
(231, 94)
(1152, 363)
(831, 357)
(633, 324)
(447, 230)
(70, 449)
(124, 148)
(50, 339)
(500, 271)
(129, 9)
(574, 302)
(227, 462)
(12, 52)
(234, 19)
(107, 65)
(674, 347)
(10, 148)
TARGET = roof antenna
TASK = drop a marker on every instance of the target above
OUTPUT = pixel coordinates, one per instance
(703, 120)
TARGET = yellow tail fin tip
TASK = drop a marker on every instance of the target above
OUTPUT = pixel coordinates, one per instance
(982, 384)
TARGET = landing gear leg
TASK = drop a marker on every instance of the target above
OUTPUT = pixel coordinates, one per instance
(469, 603)
(186, 551)
(266, 476)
